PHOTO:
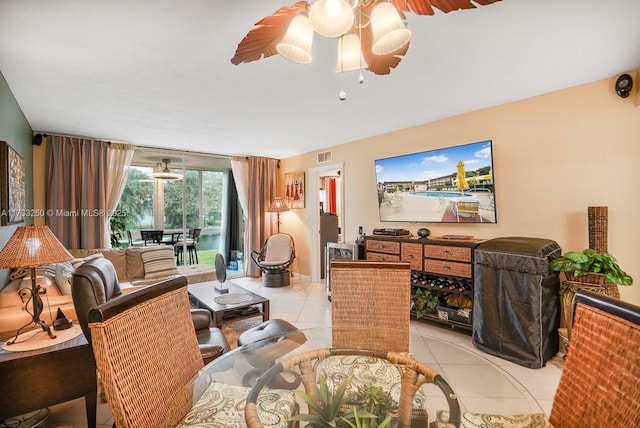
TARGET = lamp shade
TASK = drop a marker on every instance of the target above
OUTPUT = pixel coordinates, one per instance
(296, 43)
(32, 246)
(278, 205)
(350, 54)
(388, 31)
(331, 18)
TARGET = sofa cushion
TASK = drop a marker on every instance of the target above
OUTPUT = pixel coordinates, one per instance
(135, 266)
(159, 262)
(118, 258)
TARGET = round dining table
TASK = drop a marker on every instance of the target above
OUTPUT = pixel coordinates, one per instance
(478, 384)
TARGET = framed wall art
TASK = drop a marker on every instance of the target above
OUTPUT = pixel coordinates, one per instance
(12, 186)
(294, 189)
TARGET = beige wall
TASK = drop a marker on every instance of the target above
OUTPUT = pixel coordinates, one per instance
(554, 156)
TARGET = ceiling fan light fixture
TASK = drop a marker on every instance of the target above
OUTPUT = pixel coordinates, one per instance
(350, 56)
(331, 18)
(164, 173)
(297, 41)
(388, 31)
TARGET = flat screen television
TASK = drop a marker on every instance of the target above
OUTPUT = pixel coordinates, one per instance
(448, 185)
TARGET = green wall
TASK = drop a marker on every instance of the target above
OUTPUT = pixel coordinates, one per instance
(16, 131)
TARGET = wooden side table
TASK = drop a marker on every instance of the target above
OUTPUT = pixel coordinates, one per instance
(32, 380)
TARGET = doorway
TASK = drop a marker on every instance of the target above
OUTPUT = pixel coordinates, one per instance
(323, 174)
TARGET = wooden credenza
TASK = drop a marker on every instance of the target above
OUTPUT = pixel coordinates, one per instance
(441, 272)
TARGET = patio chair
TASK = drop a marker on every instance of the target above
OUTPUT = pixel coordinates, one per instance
(467, 208)
(134, 242)
(192, 247)
(274, 259)
(152, 237)
(600, 381)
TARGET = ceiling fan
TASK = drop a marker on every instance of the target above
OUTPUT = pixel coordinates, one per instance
(383, 39)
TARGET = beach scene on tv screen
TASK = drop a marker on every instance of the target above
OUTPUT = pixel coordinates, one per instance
(448, 185)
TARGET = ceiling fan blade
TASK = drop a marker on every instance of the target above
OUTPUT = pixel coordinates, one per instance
(425, 7)
(260, 42)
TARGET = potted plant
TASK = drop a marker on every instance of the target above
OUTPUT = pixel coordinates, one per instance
(325, 411)
(581, 265)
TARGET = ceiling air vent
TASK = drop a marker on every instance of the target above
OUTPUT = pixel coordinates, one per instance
(324, 156)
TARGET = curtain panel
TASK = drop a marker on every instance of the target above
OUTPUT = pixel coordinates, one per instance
(76, 202)
(119, 158)
(261, 190)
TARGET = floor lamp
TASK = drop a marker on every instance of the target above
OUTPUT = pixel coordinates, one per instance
(30, 247)
(278, 205)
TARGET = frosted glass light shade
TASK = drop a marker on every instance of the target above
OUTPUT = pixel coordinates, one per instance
(388, 31)
(296, 43)
(350, 54)
(331, 18)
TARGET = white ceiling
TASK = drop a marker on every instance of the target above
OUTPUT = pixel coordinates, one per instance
(157, 72)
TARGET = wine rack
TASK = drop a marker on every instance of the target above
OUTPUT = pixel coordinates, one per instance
(441, 275)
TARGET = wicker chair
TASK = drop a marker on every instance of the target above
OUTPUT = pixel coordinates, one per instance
(370, 305)
(147, 354)
(274, 259)
(600, 382)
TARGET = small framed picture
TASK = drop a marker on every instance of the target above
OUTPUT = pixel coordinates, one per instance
(294, 189)
(12, 186)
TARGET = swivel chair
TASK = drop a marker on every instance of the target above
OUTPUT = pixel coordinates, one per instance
(274, 259)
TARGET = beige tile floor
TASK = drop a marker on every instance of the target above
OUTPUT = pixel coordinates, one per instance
(305, 305)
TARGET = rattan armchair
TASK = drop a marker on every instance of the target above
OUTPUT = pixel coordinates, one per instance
(370, 305)
(147, 353)
(600, 382)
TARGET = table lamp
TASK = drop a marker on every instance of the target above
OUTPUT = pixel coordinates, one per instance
(30, 247)
(278, 205)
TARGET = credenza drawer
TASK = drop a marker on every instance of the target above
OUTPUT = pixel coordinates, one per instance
(384, 247)
(461, 254)
(442, 267)
(382, 257)
(412, 253)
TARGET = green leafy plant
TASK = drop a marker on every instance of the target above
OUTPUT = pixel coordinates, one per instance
(373, 408)
(423, 301)
(590, 261)
(118, 225)
(355, 418)
(325, 412)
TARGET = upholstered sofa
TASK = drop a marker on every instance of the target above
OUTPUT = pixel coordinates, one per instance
(135, 267)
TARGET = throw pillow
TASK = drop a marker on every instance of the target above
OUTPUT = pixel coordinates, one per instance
(64, 272)
(77, 262)
(159, 262)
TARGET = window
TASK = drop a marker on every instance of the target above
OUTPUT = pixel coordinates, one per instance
(158, 204)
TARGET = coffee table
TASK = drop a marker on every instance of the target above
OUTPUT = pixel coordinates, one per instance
(204, 294)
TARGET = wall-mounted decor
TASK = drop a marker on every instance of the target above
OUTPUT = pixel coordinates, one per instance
(294, 189)
(12, 187)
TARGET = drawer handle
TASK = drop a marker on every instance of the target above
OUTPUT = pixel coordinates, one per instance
(446, 268)
(410, 256)
(381, 247)
(446, 252)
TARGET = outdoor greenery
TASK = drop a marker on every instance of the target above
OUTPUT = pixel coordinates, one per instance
(138, 196)
(590, 261)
